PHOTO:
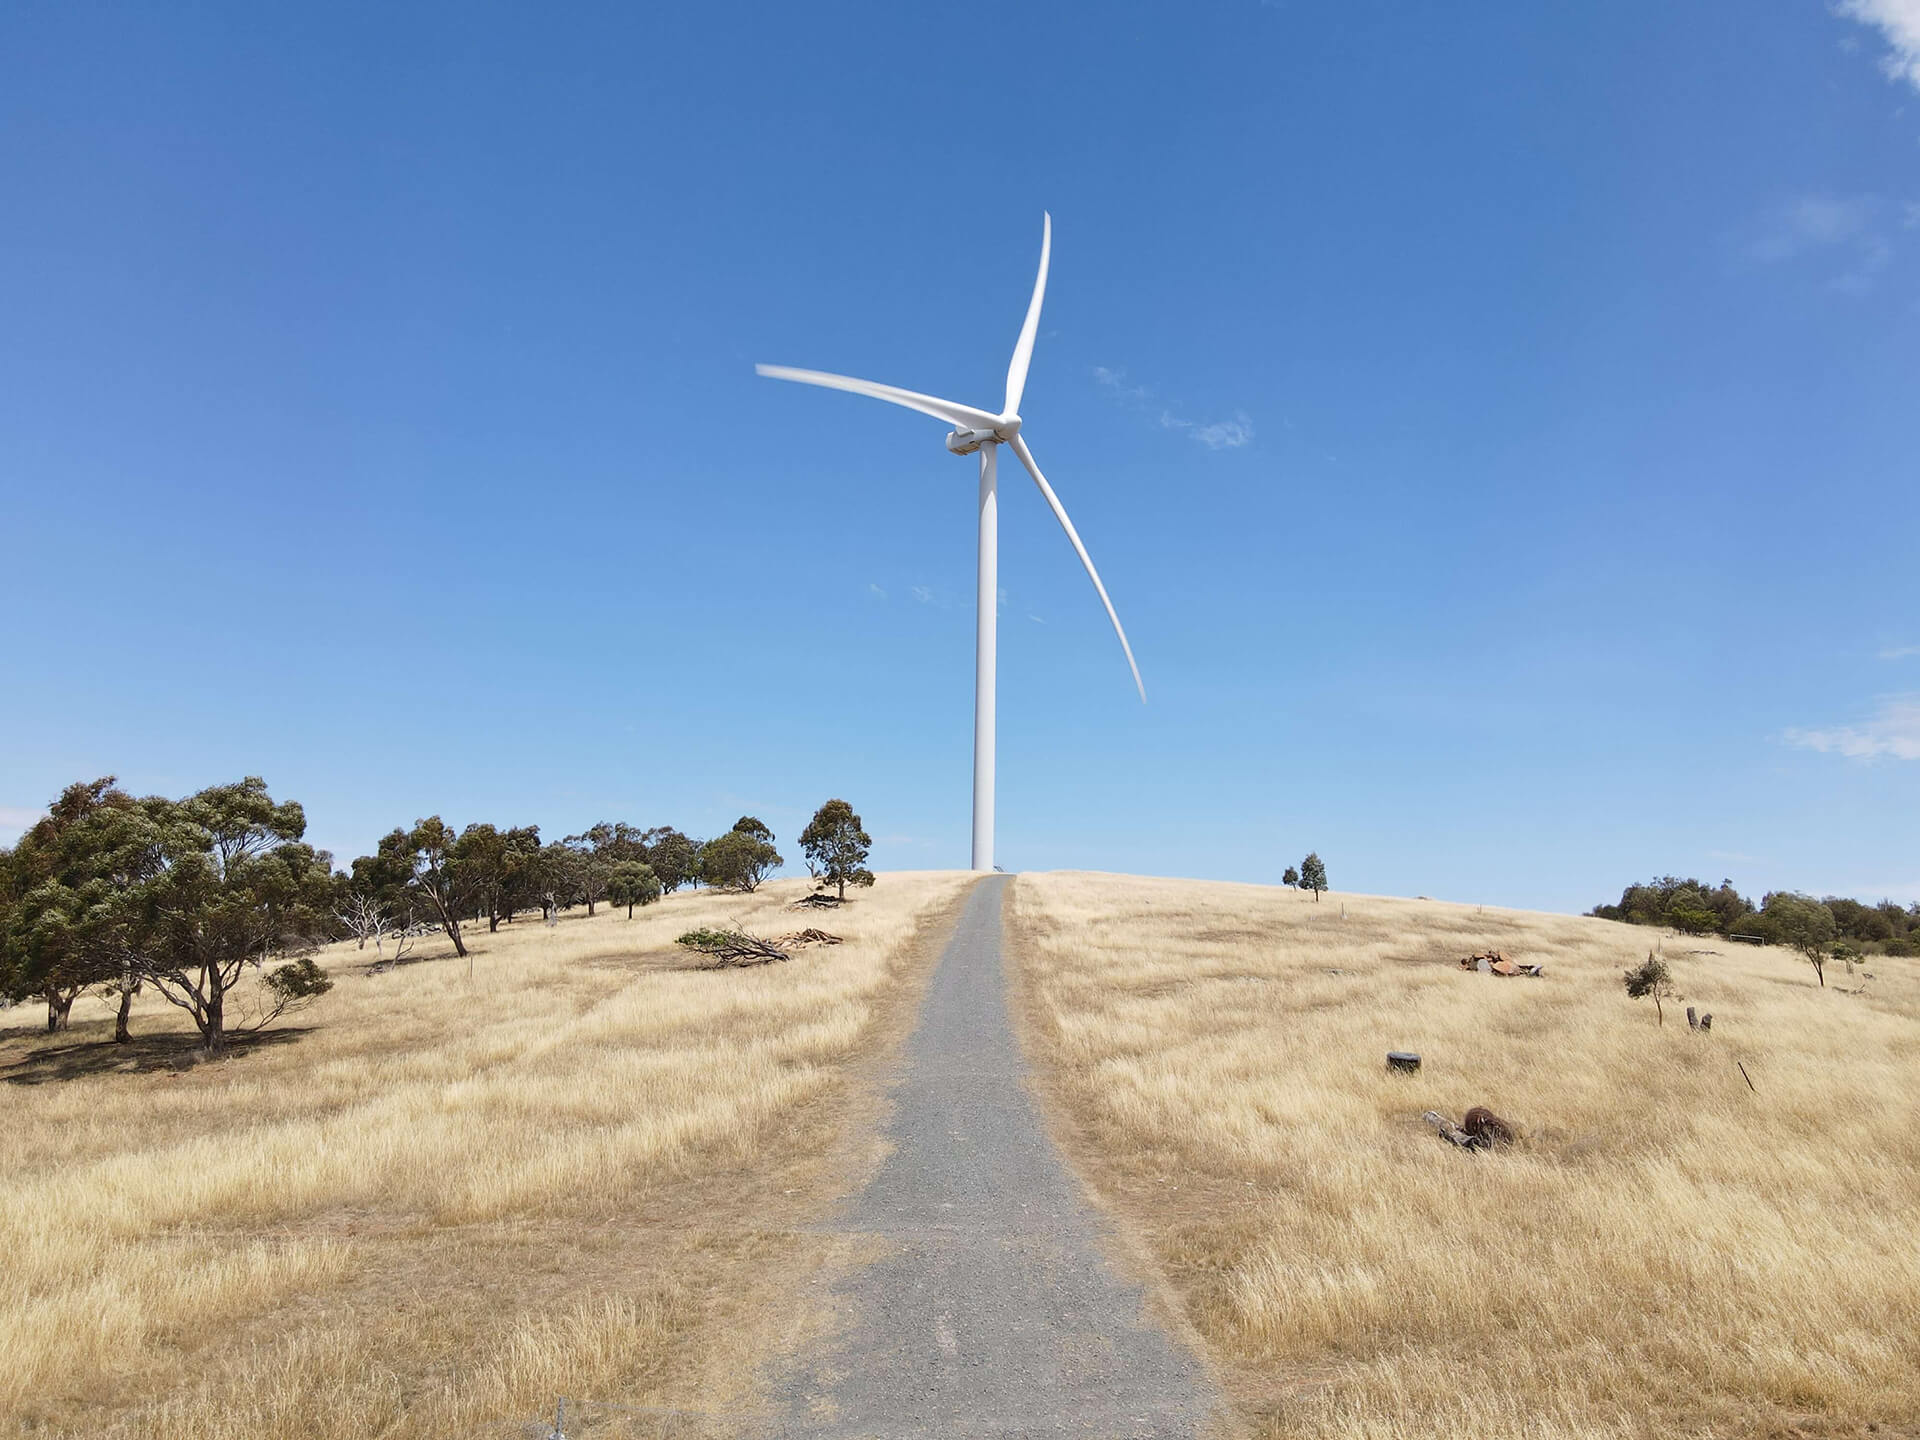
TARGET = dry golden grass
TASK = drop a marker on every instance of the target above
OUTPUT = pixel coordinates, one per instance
(1666, 1253)
(438, 1203)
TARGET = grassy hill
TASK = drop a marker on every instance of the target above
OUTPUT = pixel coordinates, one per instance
(437, 1201)
(1665, 1252)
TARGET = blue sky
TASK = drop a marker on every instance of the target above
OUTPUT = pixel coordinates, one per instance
(1496, 425)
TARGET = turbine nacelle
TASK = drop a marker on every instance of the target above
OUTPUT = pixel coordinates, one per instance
(965, 442)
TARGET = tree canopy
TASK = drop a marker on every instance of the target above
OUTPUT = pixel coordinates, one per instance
(1313, 874)
(181, 895)
(446, 888)
(632, 883)
(1696, 908)
(836, 845)
(738, 860)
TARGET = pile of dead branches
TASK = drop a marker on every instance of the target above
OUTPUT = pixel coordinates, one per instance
(809, 936)
(740, 947)
(818, 901)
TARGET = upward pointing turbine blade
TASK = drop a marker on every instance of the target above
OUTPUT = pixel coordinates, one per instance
(950, 411)
(1060, 514)
(1023, 347)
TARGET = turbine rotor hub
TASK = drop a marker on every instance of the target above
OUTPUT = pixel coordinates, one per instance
(965, 442)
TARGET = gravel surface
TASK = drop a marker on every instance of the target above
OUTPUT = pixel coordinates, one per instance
(993, 1310)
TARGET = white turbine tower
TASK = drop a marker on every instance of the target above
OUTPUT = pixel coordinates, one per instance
(984, 431)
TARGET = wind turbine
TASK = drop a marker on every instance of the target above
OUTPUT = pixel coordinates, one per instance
(985, 432)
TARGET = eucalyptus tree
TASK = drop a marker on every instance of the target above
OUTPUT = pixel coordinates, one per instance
(62, 917)
(225, 881)
(836, 845)
(427, 855)
(490, 861)
(1313, 874)
(631, 883)
(673, 857)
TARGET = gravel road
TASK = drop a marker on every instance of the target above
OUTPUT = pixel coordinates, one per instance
(992, 1310)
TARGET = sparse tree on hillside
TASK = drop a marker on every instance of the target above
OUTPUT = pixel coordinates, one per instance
(231, 884)
(1291, 877)
(1805, 924)
(1651, 979)
(737, 861)
(490, 862)
(556, 878)
(594, 862)
(427, 855)
(1313, 875)
(631, 883)
(62, 926)
(364, 916)
(836, 845)
(673, 857)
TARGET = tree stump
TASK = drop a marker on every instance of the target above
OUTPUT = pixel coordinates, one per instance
(1450, 1131)
(1404, 1061)
(1487, 1128)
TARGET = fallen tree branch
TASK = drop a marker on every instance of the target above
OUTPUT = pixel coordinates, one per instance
(732, 947)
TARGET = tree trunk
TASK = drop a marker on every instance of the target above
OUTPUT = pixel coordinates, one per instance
(493, 917)
(213, 1026)
(589, 904)
(59, 1010)
(453, 933)
(121, 1035)
(843, 887)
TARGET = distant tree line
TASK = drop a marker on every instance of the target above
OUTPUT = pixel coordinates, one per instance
(118, 894)
(1783, 917)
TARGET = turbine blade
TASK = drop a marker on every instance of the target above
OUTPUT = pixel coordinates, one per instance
(950, 411)
(1060, 514)
(1023, 347)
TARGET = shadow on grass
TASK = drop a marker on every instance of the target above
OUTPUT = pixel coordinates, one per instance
(72, 1060)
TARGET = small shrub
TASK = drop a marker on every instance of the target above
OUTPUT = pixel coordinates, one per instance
(1651, 978)
(293, 986)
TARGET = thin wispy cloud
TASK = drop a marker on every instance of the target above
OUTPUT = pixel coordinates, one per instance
(1220, 435)
(873, 589)
(1893, 731)
(923, 593)
(1898, 22)
(1811, 222)
(1844, 231)
(1229, 434)
(1899, 652)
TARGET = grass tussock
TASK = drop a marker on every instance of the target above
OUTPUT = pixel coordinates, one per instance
(1665, 1252)
(440, 1200)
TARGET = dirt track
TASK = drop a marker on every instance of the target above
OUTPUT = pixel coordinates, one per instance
(991, 1309)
